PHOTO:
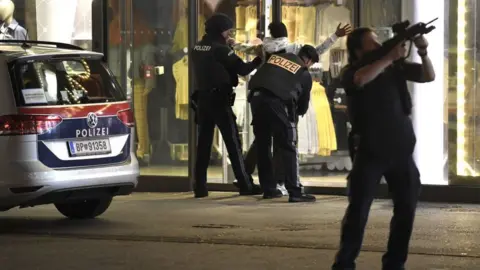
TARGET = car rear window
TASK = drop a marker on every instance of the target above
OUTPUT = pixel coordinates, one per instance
(63, 82)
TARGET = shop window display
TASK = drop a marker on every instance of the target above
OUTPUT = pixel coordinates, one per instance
(42, 21)
(462, 62)
(159, 78)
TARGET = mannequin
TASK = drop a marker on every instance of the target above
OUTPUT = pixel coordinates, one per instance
(9, 28)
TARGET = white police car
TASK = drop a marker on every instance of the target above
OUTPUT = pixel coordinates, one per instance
(66, 130)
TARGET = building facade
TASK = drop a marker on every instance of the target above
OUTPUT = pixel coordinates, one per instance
(146, 43)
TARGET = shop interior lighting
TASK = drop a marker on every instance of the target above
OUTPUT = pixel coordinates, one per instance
(463, 168)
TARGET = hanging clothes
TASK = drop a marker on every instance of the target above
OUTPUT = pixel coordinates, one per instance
(380, 13)
(305, 26)
(251, 22)
(327, 140)
(141, 120)
(239, 108)
(180, 68)
(289, 16)
(308, 132)
(240, 15)
(180, 71)
(338, 59)
(330, 16)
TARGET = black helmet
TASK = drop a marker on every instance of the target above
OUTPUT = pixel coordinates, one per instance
(218, 24)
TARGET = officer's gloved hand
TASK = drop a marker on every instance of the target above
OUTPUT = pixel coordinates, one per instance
(231, 99)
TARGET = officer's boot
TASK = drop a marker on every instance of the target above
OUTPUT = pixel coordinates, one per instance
(200, 190)
(275, 193)
(256, 189)
(297, 194)
(301, 198)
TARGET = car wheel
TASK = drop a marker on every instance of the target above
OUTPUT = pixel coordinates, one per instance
(86, 209)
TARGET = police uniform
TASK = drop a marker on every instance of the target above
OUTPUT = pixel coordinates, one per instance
(216, 69)
(384, 141)
(275, 90)
(251, 160)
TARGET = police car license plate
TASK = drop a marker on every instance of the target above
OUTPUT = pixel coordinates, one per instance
(89, 147)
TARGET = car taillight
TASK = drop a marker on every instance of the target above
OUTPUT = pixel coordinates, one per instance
(27, 124)
(126, 117)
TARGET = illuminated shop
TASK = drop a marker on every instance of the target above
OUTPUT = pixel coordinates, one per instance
(146, 45)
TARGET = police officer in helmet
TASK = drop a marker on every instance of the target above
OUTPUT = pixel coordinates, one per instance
(277, 88)
(216, 69)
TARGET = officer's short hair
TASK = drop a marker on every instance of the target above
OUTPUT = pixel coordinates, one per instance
(278, 30)
(309, 52)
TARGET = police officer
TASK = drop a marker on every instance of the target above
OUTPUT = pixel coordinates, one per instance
(278, 32)
(216, 68)
(275, 89)
(379, 106)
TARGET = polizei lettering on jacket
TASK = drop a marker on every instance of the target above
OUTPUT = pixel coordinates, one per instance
(202, 48)
(284, 63)
(92, 132)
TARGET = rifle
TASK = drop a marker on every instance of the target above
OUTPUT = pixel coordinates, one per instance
(403, 32)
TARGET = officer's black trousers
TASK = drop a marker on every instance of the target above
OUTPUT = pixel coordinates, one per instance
(403, 181)
(212, 112)
(251, 161)
(271, 121)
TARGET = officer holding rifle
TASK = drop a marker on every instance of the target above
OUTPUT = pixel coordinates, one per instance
(380, 105)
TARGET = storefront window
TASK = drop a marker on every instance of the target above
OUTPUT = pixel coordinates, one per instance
(463, 88)
(157, 71)
(381, 15)
(42, 20)
(119, 29)
(322, 132)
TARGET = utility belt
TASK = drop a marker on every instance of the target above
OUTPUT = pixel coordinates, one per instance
(290, 106)
(220, 96)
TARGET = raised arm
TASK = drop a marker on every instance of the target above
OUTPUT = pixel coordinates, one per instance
(339, 33)
(423, 72)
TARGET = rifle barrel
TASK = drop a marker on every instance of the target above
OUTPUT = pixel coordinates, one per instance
(431, 21)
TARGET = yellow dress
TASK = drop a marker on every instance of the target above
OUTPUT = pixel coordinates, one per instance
(180, 73)
(289, 18)
(240, 14)
(141, 121)
(251, 22)
(327, 139)
(305, 25)
(180, 68)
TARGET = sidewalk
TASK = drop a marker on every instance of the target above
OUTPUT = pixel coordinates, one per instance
(50, 253)
(224, 218)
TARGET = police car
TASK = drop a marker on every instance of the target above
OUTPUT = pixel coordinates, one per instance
(66, 130)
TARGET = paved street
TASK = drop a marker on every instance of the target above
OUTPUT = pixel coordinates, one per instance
(174, 231)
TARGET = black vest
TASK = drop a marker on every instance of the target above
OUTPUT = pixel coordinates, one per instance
(208, 72)
(281, 76)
